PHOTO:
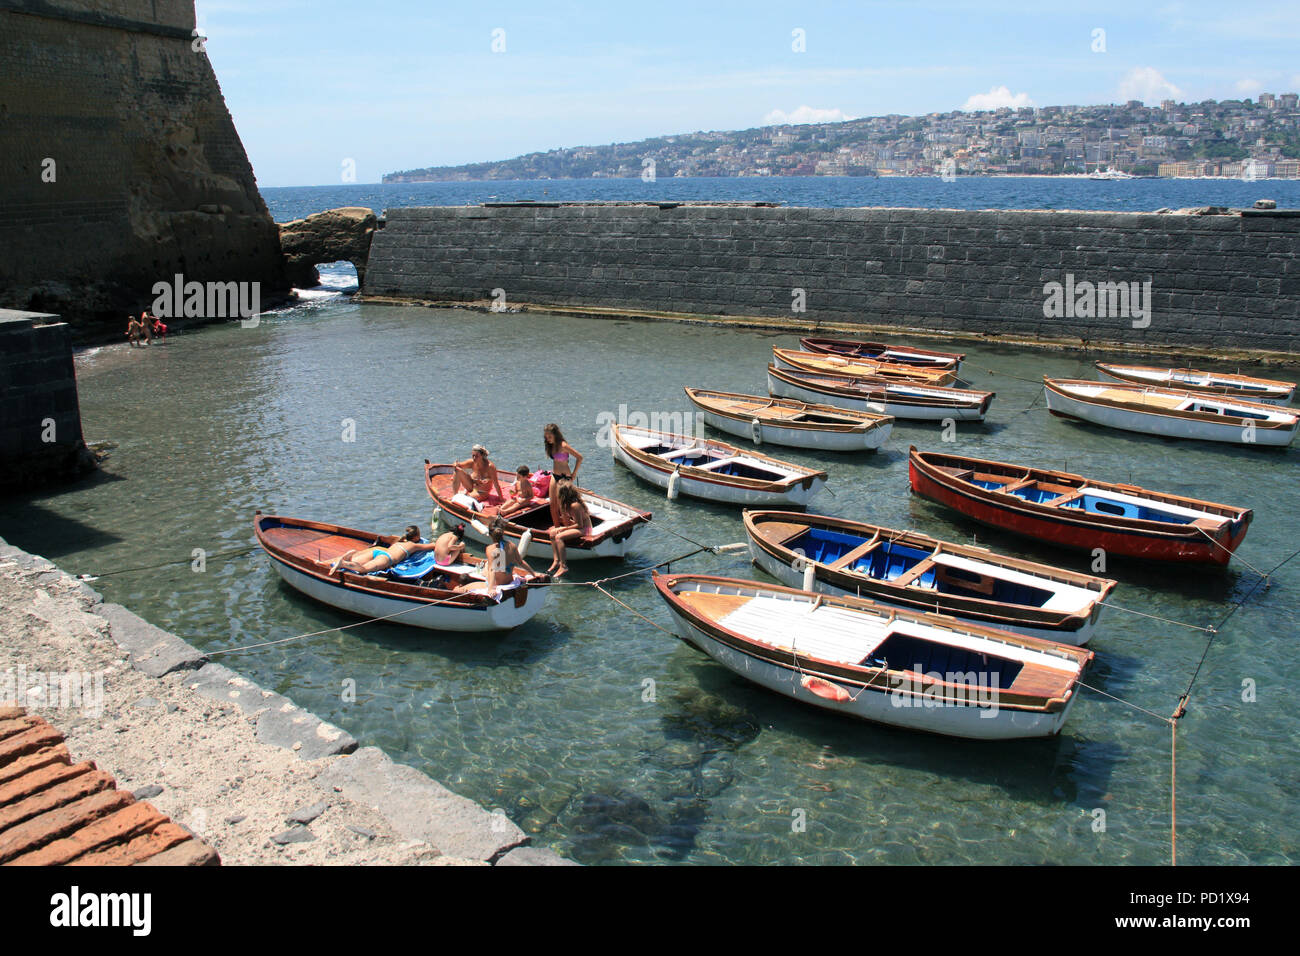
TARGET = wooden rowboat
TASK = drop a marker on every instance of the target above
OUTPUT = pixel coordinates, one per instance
(615, 526)
(1264, 390)
(919, 671)
(1171, 413)
(819, 362)
(914, 571)
(417, 592)
(788, 422)
(881, 396)
(714, 470)
(902, 354)
(1077, 512)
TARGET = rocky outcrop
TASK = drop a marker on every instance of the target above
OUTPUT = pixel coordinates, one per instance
(336, 235)
(122, 166)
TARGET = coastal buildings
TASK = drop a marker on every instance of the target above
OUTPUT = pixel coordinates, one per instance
(1238, 138)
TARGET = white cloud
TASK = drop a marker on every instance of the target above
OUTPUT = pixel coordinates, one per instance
(1248, 86)
(996, 98)
(1145, 83)
(805, 114)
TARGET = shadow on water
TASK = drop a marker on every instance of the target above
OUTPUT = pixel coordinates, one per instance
(1142, 443)
(671, 787)
(27, 525)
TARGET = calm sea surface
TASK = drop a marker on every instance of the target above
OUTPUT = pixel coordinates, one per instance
(597, 733)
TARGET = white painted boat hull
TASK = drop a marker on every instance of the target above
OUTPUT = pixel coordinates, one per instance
(1240, 394)
(1168, 426)
(882, 706)
(783, 389)
(788, 576)
(796, 495)
(771, 434)
(439, 617)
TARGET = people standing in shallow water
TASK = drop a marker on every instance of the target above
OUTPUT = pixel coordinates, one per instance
(574, 524)
(565, 462)
(379, 558)
(133, 330)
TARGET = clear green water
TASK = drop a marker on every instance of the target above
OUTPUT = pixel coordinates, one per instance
(550, 722)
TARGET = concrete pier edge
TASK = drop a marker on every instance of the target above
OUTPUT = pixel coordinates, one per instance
(418, 808)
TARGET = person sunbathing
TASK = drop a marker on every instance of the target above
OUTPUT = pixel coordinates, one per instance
(379, 558)
(522, 498)
(574, 525)
(450, 547)
(477, 476)
(503, 563)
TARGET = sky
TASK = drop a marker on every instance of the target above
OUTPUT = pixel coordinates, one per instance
(325, 88)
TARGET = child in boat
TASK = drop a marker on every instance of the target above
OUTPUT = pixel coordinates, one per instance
(477, 476)
(522, 498)
(565, 462)
(379, 558)
(574, 525)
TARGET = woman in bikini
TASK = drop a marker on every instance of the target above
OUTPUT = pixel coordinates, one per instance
(503, 564)
(477, 476)
(574, 524)
(565, 462)
(450, 547)
(379, 558)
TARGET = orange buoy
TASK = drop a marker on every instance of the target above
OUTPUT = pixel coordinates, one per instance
(825, 689)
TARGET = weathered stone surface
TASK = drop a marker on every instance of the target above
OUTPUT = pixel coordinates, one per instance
(296, 835)
(305, 815)
(293, 728)
(420, 808)
(150, 178)
(965, 272)
(336, 235)
(153, 651)
(533, 856)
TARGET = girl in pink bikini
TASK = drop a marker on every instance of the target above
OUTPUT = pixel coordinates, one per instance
(562, 454)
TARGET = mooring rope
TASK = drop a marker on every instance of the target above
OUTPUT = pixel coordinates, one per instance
(167, 564)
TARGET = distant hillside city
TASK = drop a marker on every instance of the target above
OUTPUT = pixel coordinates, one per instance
(1233, 138)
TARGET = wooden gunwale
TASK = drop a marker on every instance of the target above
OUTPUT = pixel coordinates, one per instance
(832, 346)
(1170, 394)
(820, 362)
(984, 608)
(731, 404)
(874, 388)
(1050, 695)
(659, 464)
(1274, 387)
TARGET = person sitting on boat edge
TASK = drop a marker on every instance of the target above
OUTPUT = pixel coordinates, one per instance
(503, 564)
(449, 548)
(574, 524)
(522, 498)
(379, 558)
(560, 452)
(478, 477)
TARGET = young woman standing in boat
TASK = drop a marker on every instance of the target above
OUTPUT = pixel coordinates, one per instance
(565, 462)
(378, 558)
(573, 525)
(477, 476)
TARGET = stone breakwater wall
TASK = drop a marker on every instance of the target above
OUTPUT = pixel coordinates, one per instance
(1229, 281)
(257, 777)
(120, 165)
(40, 417)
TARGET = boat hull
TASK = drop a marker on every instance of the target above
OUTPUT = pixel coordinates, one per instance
(1164, 425)
(790, 577)
(809, 392)
(1059, 528)
(799, 494)
(437, 617)
(773, 434)
(1279, 395)
(882, 705)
